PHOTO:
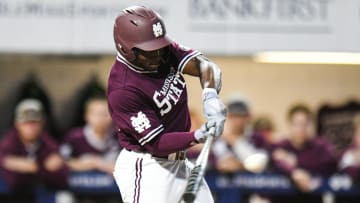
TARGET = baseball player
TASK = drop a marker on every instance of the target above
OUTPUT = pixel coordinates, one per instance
(148, 102)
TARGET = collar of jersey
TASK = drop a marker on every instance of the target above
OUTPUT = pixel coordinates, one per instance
(131, 66)
(95, 142)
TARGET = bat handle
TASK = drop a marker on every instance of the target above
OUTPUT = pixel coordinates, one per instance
(212, 131)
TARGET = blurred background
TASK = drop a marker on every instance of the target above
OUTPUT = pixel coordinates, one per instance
(291, 80)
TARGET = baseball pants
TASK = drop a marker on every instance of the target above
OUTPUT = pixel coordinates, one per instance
(143, 178)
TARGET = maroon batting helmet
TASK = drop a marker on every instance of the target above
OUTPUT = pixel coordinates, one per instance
(139, 27)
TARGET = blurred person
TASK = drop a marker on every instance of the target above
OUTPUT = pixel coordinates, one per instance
(93, 146)
(28, 155)
(302, 156)
(236, 145)
(75, 105)
(350, 160)
(29, 87)
(263, 133)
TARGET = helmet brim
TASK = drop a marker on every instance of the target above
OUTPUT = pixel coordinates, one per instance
(154, 44)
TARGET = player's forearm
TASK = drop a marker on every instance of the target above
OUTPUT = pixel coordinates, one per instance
(19, 164)
(210, 74)
(107, 167)
(80, 165)
(284, 168)
(171, 142)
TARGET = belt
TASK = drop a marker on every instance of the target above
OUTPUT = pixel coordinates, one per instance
(180, 155)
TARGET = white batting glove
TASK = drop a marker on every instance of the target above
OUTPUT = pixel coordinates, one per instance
(214, 109)
(203, 132)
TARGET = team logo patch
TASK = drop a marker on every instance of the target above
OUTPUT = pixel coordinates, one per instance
(158, 29)
(140, 122)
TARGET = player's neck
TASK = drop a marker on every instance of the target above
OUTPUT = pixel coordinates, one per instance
(100, 134)
(297, 143)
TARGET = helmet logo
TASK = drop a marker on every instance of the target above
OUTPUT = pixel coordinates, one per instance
(157, 29)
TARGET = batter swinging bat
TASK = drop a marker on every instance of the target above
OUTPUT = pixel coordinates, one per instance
(198, 172)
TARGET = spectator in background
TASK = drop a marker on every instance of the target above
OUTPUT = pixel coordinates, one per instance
(93, 146)
(350, 161)
(302, 156)
(235, 146)
(28, 155)
(263, 133)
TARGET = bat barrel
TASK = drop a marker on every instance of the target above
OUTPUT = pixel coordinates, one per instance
(197, 173)
(193, 185)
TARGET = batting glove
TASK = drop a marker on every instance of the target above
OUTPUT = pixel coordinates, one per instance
(204, 131)
(214, 109)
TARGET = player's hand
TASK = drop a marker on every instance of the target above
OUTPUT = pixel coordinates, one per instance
(302, 180)
(286, 157)
(204, 131)
(214, 109)
(53, 162)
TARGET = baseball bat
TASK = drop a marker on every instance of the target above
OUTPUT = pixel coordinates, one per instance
(198, 172)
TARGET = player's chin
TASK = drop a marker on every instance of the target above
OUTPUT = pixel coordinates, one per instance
(153, 67)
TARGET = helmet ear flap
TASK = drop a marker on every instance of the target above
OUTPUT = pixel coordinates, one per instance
(128, 54)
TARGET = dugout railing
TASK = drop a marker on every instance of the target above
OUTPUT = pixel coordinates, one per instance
(228, 188)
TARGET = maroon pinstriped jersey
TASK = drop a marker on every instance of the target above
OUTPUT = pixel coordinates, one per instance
(82, 142)
(146, 104)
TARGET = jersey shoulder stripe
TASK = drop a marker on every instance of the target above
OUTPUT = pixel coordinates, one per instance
(186, 59)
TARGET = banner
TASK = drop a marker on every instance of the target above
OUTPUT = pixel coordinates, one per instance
(225, 27)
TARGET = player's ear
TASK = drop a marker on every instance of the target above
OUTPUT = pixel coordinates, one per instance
(86, 115)
(166, 54)
(16, 124)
